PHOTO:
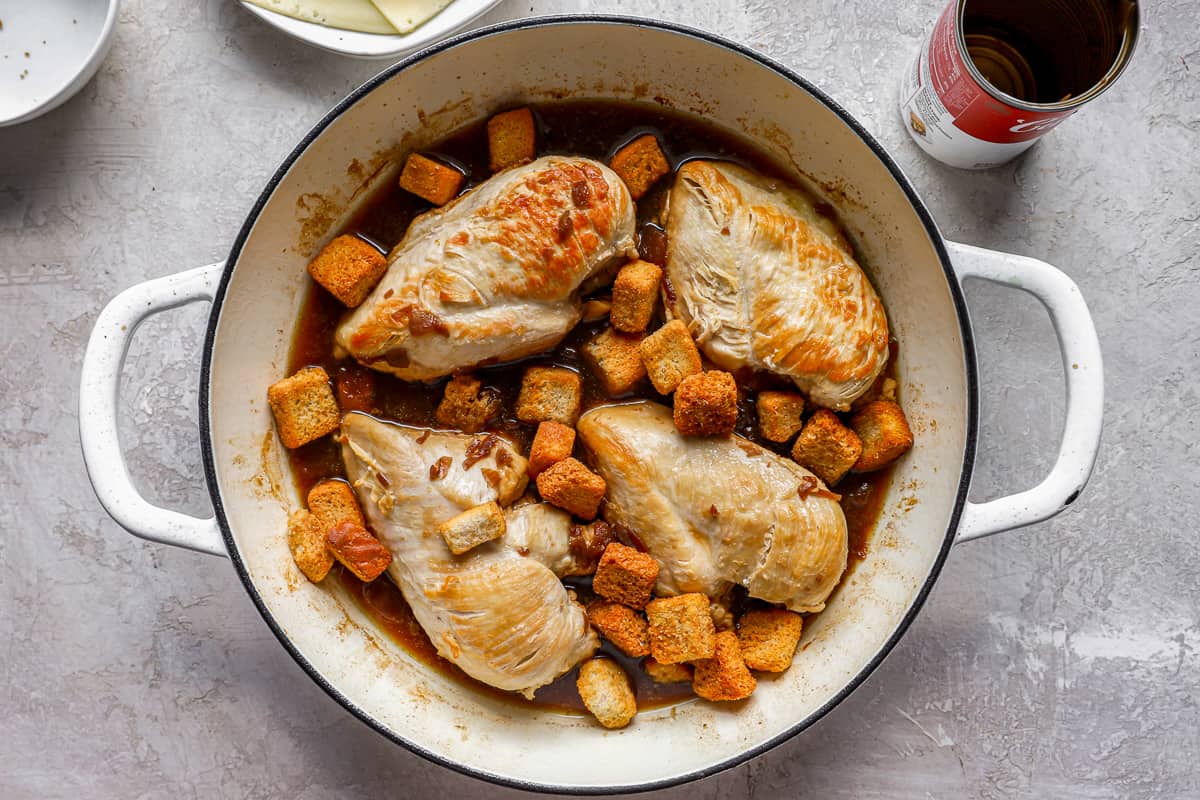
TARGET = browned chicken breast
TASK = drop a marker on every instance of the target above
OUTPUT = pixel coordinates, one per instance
(762, 280)
(499, 611)
(494, 275)
(717, 511)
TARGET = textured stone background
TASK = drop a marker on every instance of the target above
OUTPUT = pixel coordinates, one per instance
(1056, 661)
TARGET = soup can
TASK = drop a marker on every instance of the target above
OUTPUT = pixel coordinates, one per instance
(996, 75)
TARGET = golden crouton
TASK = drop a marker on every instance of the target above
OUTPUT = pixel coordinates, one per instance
(348, 268)
(625, 575)
(883, 430)
(621, 625)
(827, 447)
(333, 501)
(706, 404)
(430, 180)
(670, 355)
(681, 629)
(467, 405)
(596, 309)
(306, 540)
(634, 293)
(552, 443)
(616, 360)
(640, 164)
(779, 414)
(768, 638)
(358, 550)
(473, 527)
(512, 139)
(667, 673)
(604, 688)
(724, 676)
(572, 487)
(550, 393)
(304, 407)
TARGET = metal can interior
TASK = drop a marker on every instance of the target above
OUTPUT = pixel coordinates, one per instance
(1046, 55)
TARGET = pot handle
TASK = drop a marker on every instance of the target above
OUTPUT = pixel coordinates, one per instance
(1080, 349)
(99, 388)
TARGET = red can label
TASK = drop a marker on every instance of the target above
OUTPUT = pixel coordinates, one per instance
(952, 117)
(973, 109)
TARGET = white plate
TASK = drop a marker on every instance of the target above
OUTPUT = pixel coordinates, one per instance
(376, 45)
(48, 50)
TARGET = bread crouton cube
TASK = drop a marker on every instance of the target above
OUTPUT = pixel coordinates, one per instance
(768, 638)
(625, 575)
(473, 527)
(667, 673)
(596, 309)
(348, 268)
(640, 164)
(606, 693)
(358, 550)
(706, 404)
(550, 393)
(430, 180)
(552, 443)
(572, 487)
(883, 430)
(670, 355)
(621, 625)
(616, 360)
(724, 676)
(512, 139)
(826, 447)
(333, 501)
(779, 414)
(306, 540)
(681, 629)
(634, 293)
(467, 405)
(304, 407)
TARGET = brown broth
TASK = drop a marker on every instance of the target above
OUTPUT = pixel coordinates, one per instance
(589, 128)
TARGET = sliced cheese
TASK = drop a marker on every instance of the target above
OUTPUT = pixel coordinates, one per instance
(352, 15)
(407, 15)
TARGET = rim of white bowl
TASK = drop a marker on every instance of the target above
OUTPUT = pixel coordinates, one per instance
(357, 44)
(72, 85)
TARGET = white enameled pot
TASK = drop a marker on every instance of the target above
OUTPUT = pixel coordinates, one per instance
(256, 295)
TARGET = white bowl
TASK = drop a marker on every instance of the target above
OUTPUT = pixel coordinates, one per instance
(375, 45)
(49, 49)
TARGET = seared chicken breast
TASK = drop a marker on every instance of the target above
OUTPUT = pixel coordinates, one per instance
(763, 280)
(499, 611)
(717, 511)
(495, 274)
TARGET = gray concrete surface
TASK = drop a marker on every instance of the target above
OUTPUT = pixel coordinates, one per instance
(1059, 661)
